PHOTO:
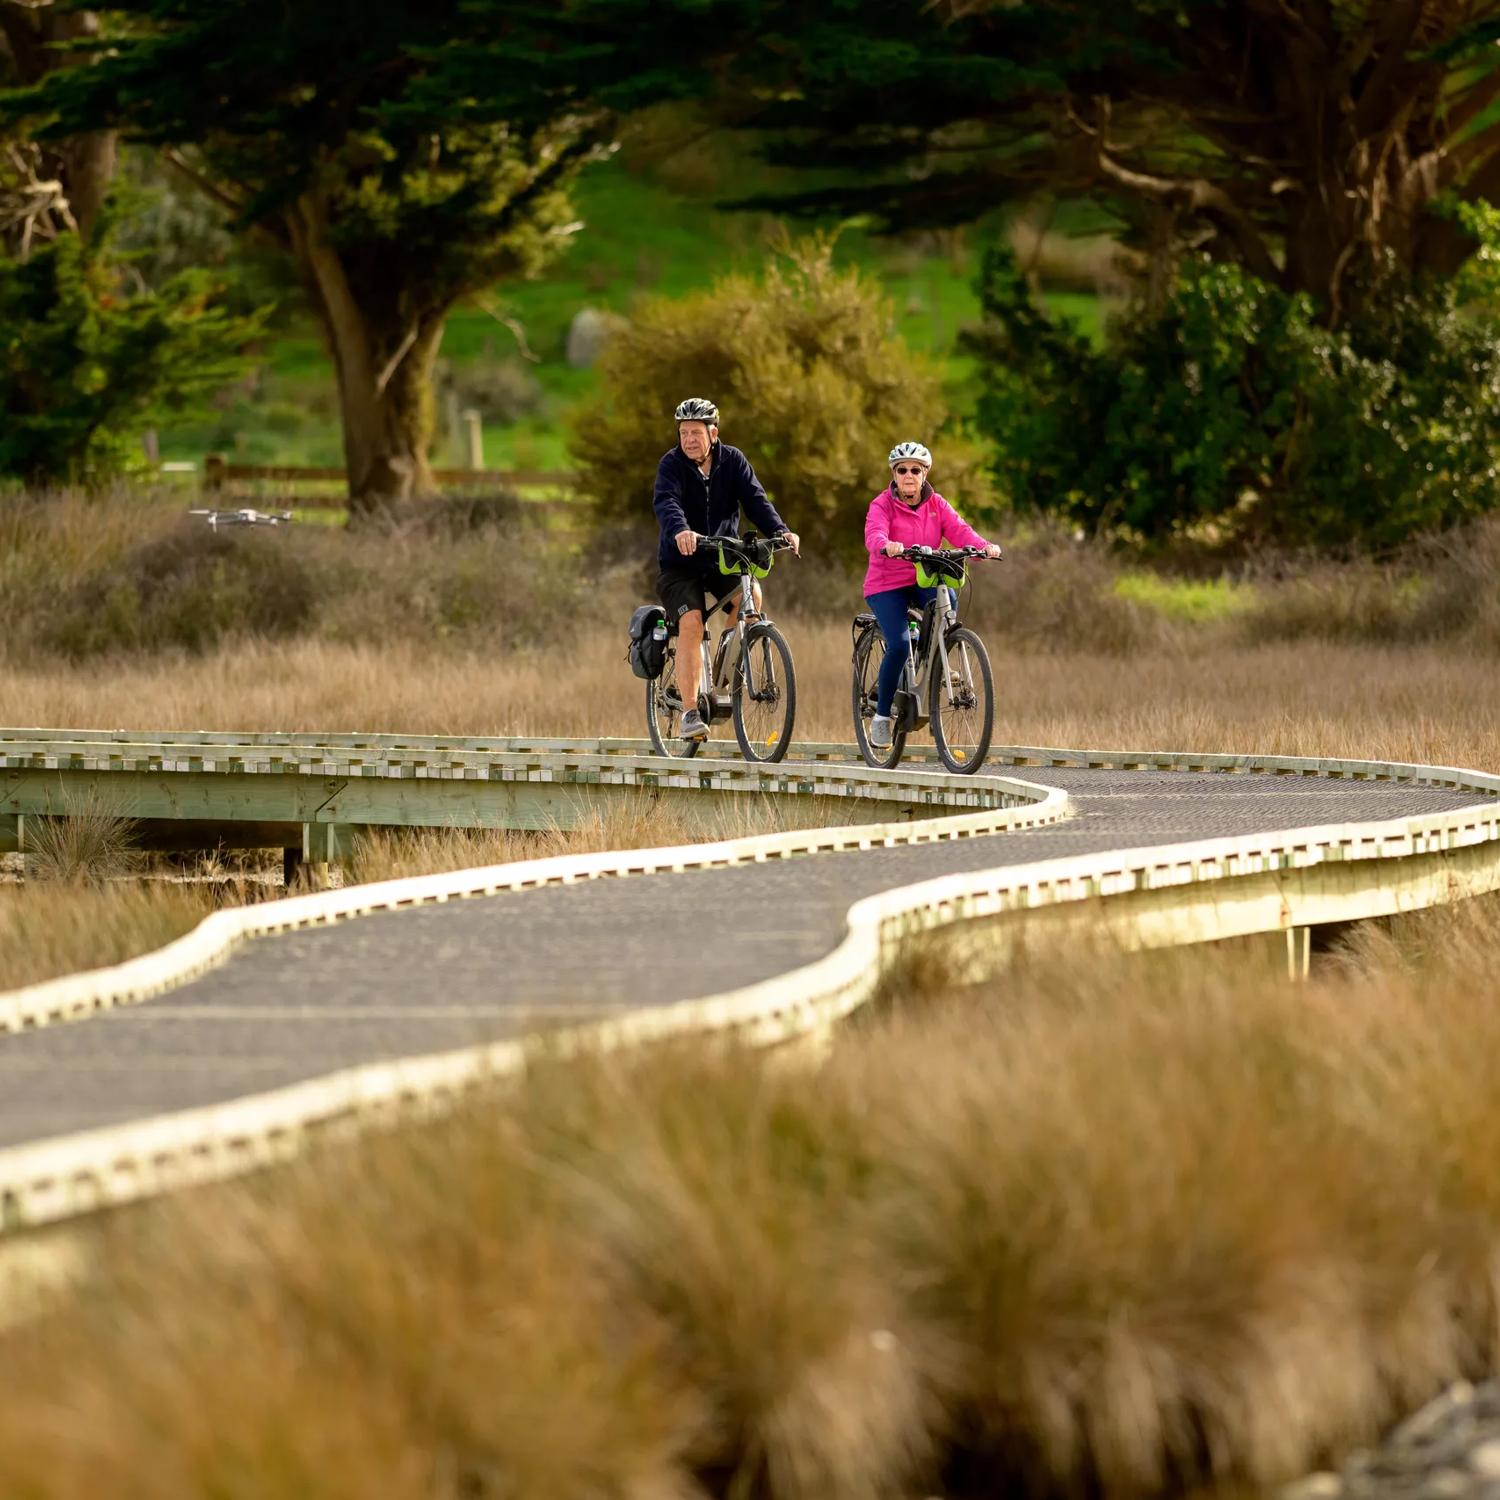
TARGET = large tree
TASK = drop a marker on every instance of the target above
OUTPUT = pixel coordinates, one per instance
(1309, 141)
(324, 127)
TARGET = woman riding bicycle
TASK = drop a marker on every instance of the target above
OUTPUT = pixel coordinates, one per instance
(910, 513)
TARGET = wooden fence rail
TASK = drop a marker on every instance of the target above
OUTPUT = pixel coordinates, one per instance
(218, 473)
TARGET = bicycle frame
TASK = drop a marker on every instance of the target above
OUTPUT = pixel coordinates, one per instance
(718, 677)
(915, 675)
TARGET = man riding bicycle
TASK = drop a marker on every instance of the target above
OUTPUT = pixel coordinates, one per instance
(701, 484)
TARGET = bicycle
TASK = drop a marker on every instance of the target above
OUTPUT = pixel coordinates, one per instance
(751, 680)
(959, 698)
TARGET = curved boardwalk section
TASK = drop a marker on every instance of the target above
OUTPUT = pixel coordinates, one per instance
(683, 948)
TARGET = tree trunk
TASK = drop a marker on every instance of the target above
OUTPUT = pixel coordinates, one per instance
(383, 358)
(85, 164)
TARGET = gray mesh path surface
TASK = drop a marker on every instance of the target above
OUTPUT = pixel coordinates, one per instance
(302, 1004)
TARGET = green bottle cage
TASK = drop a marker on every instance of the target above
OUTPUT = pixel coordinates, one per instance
(929, 578)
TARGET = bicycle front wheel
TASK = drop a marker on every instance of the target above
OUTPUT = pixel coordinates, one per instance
(664, 713)
(869, 652)
(963, 703)
(765, 695)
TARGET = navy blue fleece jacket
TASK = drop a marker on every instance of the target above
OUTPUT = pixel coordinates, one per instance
(687, 500)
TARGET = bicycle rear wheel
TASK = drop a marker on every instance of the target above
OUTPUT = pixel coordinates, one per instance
(664, 713)
(963, 719)
(765, 695)
(869, 652)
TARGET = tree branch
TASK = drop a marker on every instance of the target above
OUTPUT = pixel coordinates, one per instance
(393, 364)
(1281, 14)
(1391, 40)
(206, 185)
(1201, 196)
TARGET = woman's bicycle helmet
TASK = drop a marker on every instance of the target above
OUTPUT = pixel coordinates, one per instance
(909, 450)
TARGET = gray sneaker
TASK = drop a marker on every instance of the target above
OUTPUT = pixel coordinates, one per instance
(880, 733)
(693, 727)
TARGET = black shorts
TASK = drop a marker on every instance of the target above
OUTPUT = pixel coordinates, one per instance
(683, 589)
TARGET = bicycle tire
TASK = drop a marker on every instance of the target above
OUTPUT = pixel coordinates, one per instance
(864, 676)
(767, 737)
(975, 723)
(662, 718)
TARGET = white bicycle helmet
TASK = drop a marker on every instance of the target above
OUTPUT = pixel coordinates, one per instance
(696, 409)
(909, 450)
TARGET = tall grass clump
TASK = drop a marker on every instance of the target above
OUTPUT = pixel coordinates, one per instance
(60, 927)
(92, 844)
(1114, 1225)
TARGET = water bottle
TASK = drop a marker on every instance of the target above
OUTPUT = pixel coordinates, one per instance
(659, 634)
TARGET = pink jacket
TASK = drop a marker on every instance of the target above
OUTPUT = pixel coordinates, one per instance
(930, 523)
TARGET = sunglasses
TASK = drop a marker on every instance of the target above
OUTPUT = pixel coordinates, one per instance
(910, 469)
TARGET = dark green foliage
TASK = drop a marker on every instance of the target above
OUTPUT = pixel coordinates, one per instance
(88, 358)
(329, 129)
(1306, 143)
(188, 589)
(1232, 407)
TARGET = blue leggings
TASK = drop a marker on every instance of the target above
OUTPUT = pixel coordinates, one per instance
(890, 608)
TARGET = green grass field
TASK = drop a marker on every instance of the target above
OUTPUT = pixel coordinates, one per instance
(640, 239)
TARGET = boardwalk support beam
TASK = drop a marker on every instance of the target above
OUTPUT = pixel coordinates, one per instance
(325, 844)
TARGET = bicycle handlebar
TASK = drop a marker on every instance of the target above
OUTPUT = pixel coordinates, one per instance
(776, 543)
(937, 554)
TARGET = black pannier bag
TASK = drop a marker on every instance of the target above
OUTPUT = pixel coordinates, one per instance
(647, 652)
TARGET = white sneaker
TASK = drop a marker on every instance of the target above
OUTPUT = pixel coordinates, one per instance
(880, 732)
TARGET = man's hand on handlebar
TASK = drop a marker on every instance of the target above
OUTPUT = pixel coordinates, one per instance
(688, 542)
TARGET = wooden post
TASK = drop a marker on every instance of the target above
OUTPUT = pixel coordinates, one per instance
(453, 427)
(151, 447)
(213, 471)
(475, 432)
(1298, 952)
(323, 844)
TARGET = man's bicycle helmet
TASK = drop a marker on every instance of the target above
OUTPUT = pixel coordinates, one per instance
(909, 450)
(696, 409)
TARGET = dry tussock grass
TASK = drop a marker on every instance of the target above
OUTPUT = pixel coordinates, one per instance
(1313, 698)
(60, 927)
(1113, 1223)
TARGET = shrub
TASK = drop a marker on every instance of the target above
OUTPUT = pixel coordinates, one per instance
(1233, 405)
(86, 362)
(188, 588)
(811, 379)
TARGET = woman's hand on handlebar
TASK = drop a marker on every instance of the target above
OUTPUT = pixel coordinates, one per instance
(893, 549)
